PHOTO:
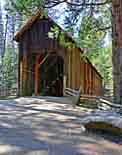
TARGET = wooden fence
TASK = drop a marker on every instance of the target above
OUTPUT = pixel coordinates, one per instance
(8, 92)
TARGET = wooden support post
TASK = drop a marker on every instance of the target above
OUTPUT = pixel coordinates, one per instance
(69, 68)
(24, 75)
(65, 72)
(45, 58)
(84, 77)
(73, 67)
(20, 78)
(37, 74)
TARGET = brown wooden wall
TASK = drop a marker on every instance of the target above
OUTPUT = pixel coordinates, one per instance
(77, 70)
(82, 73)
(36, 39)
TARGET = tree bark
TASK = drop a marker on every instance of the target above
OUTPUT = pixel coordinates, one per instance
(117, 49)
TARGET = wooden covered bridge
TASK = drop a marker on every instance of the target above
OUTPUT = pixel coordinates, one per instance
(46, 67)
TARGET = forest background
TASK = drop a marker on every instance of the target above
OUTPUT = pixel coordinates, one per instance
(89, 25)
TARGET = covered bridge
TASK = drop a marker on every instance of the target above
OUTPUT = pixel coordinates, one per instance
(46, 67)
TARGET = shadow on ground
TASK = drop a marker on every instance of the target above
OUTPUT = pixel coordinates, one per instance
(30, 126)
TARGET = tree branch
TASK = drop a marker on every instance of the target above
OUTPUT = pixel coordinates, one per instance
(84, 3)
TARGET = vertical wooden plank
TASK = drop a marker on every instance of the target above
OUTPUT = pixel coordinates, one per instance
(70, 79)
(68, 76)
(86, 83)
(30, 71)
(85, 78)
(94, 82)
(20, 77)
(66, 66)
(92, 87)
(82, 74)
(70, 68)
(25, 76)
(47, 86)
(20, 69)
(65, 83)
(73, 67)
(77, 69)
(83, 68)
(88, 78)
(37, 75)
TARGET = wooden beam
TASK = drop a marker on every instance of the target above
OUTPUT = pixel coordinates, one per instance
(37, 74)
(44, 59)
(20, 77)
(69, 68)
(24, 75)
(73, 67)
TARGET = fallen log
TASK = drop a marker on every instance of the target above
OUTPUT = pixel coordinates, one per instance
(106, 121)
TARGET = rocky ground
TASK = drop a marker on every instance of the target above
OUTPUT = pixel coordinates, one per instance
(49, 126)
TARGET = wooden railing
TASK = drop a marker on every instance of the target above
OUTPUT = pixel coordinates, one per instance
(100, 101)
(74, 94)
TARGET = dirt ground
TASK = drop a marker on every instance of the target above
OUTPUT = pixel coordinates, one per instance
(48, 126)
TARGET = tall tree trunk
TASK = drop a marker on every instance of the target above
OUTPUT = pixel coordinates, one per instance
(1, 32)
(117, 49)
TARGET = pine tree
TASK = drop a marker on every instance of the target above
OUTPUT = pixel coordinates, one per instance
(1, 32)
(1, 45)
(117, 49)
(13, 24)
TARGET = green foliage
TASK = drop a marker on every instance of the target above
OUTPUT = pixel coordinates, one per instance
(63, 41)
(8, 69)
(94, 27)
(103, 62)
(90, 37)
(95, 39)
(54, 32)
(27, 7)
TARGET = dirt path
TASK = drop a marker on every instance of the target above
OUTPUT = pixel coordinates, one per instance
(39, 127)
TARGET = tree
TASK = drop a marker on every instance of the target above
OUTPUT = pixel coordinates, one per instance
(1, 32)
(117, 49)
(1, 44)
(8, 71)
(8, 75)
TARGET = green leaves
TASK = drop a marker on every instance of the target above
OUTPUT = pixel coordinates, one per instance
(54, 32)
(8, 69)
(94, 39)
(26, 7)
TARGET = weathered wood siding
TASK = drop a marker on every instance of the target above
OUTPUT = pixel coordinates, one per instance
(81, 73)
(36, 39)
(26, 75)
(77, 71)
